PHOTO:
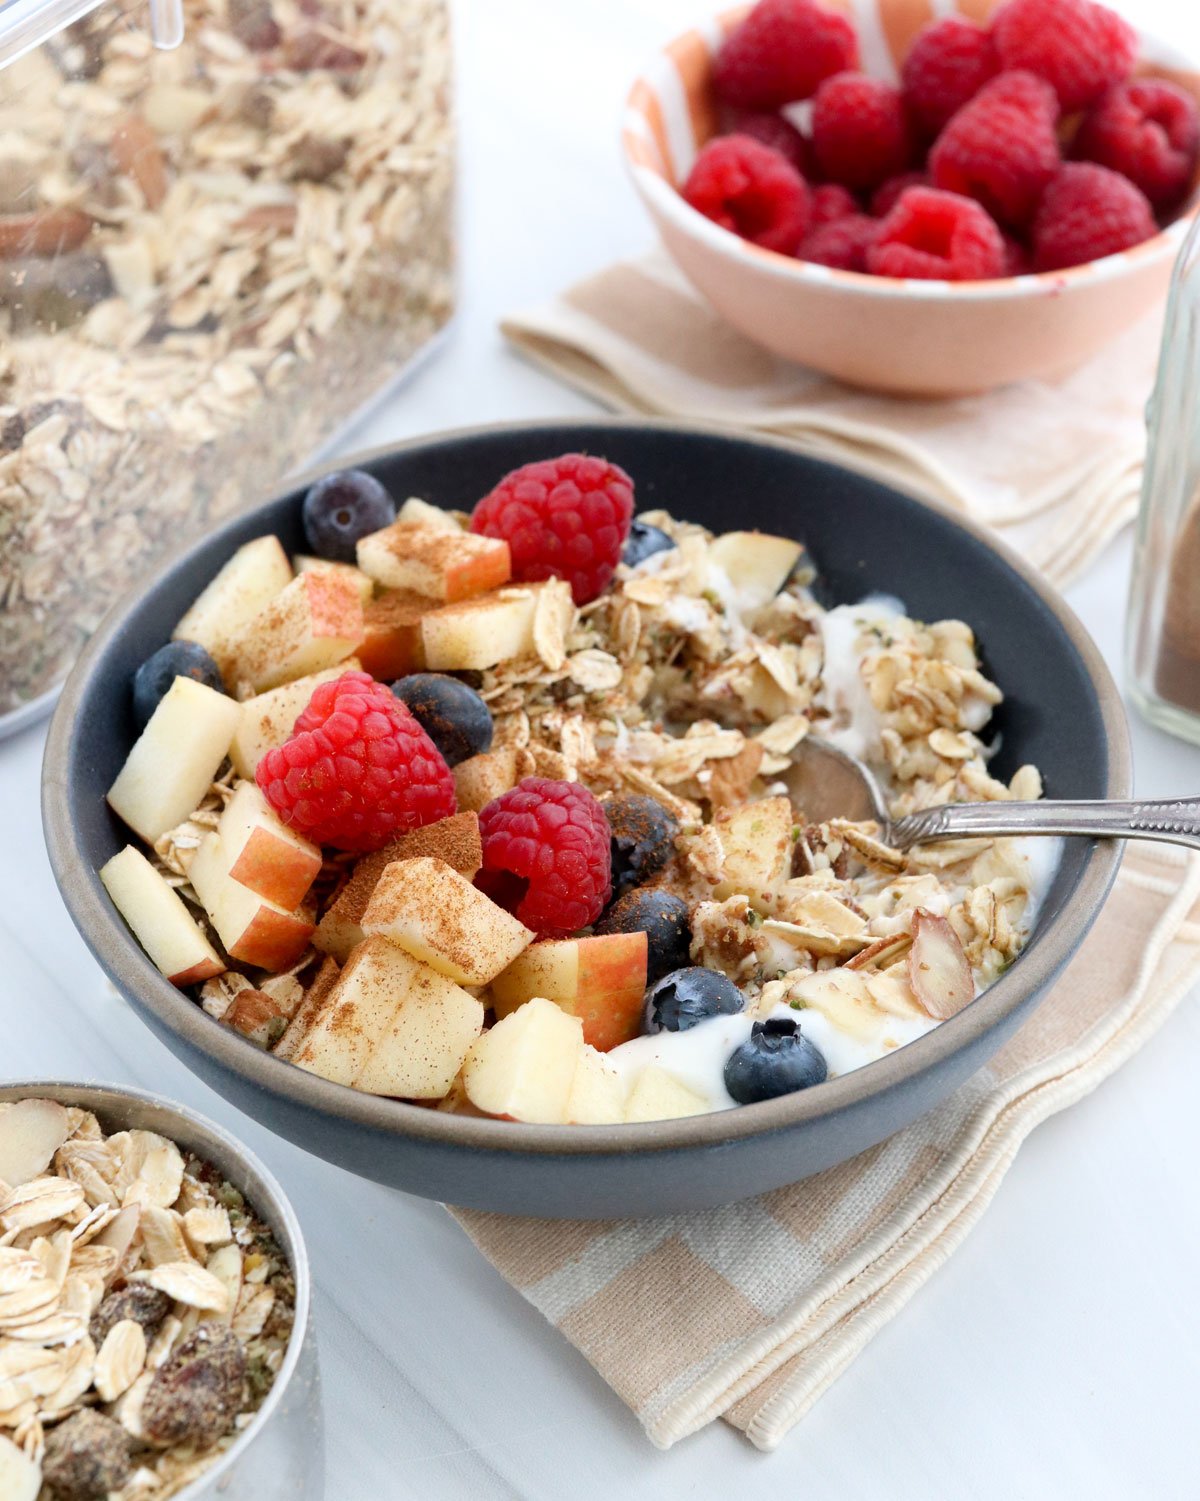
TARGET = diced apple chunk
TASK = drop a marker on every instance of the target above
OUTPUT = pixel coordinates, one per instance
(480, 779)
(256, 573)
(309, 1009)
(479, 633)
(251, 928)
(601, 980)
(174, 759)
(421, 1051)
(417, 511)
(391, 644)
(757, 841)
(160, 921)
(431, 560)
(267, 721)
(756, 564)
(659, 1096)
(426, 907)
(524, 1067)
(454, 840)
(263, 852)
(316, 622)
(597, 1095)
(365, 586)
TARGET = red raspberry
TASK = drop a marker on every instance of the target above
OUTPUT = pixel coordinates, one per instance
(860, 131)
(744, 186)
(885, 198)
(937, 236)
(829, 203)
(773, 130)
(781, 52)
(950, 61)
(1078, 47)
(1148, 131)
(547, 855)
(1017, 259)
(564, 518)
(842, 244)
(358, 769)
(1001, 148)
(1088, 212)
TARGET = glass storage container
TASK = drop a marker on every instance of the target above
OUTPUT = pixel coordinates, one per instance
(1163, 623)
(225, 226)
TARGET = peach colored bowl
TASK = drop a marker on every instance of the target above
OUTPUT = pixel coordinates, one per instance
(914, 337)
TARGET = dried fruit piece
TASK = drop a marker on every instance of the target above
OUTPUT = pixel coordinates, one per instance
(135, 152)
(146, 1306)
(31, 1131)
(938, 970)
(197, 1394)
(253, 24)
(86, 1457)
(45, 231)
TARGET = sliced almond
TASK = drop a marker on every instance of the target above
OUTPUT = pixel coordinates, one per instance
(20, 1477)
(188, 1283)
(226, 1266)
(880, 952)
(121, 1360)
(135, 152)
(120, 1230)
(30, 1134)
(938, 970)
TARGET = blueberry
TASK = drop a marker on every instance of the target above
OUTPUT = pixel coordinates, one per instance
(643, 838)
(343, 508)
(775, 1059)
(454, 716)
(644, 540)
(689, 996)
(664, 920)
(178, 659)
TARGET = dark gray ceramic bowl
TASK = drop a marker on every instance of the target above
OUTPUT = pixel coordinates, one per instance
(1062, 712)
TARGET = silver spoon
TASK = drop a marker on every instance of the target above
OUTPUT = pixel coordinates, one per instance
(828, 783)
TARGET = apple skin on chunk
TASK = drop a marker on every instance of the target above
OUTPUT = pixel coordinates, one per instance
(316, 622)
(479, 633)
(160, 921)
(263, 853)
(251, 928)
(391, 644)
(435, 561)
(426, 907)
(256, 573)
(174, 759)
(659, 1096)
(756, 564)
(267, 720)
(601, 980)
(524, 1067)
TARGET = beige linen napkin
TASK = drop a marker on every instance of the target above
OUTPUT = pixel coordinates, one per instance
(750, 1312)
(1055, 466)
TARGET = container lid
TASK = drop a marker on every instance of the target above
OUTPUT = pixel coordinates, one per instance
(26, 24)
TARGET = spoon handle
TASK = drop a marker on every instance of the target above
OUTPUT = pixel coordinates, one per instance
(1174, 821)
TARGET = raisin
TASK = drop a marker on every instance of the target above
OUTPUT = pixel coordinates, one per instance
(196, 1395)
(144, 1305)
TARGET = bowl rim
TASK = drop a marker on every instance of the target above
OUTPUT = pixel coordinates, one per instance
(67, 1091)
(122, 959)
(663, 199)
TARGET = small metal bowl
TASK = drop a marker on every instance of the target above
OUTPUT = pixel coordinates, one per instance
(282, 1453)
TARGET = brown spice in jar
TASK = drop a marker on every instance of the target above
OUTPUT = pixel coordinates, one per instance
(1177, 671)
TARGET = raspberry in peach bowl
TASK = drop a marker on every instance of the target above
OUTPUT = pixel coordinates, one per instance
(996, 200)
(483, 811)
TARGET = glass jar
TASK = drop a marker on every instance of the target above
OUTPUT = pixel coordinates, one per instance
(218, 242)
(1163, 624)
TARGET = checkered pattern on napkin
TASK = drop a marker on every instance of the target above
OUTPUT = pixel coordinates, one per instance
(751, 1311)
(1053, 466)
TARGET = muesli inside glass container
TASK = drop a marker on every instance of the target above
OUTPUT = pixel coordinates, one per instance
(212, 255)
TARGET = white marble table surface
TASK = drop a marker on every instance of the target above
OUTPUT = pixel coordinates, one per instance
(1055, 1356)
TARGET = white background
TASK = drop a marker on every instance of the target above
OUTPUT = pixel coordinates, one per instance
(1054, 1356)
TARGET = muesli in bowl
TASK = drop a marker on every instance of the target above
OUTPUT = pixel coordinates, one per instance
(148, 1309)
(488, 812)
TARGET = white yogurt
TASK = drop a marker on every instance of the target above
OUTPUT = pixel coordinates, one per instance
(844, 694)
